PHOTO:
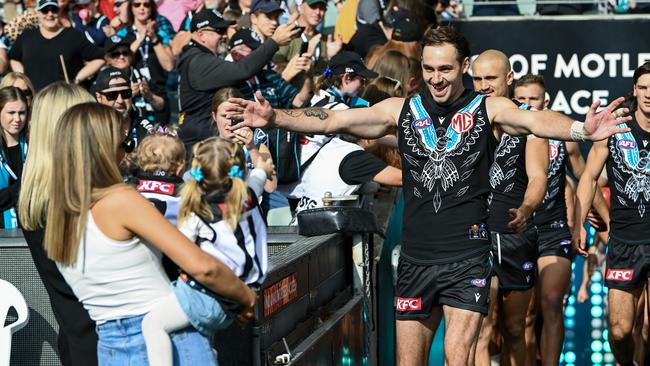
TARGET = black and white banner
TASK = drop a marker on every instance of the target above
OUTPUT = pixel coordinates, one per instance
(582, 60)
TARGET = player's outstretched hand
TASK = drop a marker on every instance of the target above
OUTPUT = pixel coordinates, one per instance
(251, 114)
(600, 125)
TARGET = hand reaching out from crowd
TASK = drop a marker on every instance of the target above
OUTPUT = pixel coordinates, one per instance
(313, 43)
(286, 32)
(334, 45)
(266, 163)
(296, 65)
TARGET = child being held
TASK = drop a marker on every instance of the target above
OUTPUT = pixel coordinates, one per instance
(220, 214)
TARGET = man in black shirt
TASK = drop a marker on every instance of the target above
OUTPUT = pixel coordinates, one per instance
(626, 158)
(38, 52)
(201, 72)
(444, 140)
(518, 184)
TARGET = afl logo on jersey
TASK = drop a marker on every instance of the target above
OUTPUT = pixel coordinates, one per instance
(462, 122)
(552, 151)
(422, 123)
(626, 144)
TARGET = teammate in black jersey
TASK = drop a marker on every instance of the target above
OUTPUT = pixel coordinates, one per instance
(444, 138)
(518, 183)
(627, 160)
(555, 254)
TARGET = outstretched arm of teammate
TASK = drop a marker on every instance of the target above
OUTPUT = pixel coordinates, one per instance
(549, 124)
(586, 189)
(370, 123)
(536, 169)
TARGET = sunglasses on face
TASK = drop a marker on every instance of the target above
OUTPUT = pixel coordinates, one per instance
(118, 53)
(138, 5)
(112, 95)
(26, 92)
(220, 32)
(117, 4)
(49, 9)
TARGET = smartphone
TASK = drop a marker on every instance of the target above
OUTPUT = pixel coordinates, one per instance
(302, 29)
(304, 47)
(234, 122)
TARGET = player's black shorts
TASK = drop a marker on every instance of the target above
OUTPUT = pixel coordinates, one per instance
(555, 240)
(628, 265)
(515, 257)
(464, 284)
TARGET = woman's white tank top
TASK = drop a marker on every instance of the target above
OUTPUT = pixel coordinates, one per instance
(115, 279)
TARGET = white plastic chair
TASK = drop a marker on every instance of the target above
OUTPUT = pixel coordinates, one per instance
(10, 297)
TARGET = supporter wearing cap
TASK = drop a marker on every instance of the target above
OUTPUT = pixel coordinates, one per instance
(404, 35)
(112, 88)
(273, 87)
(343, 79)
(37, 52)
(202, 72)
(183, 35)
(312, 13)
(264, 17)
(148, 98)
(87, 20)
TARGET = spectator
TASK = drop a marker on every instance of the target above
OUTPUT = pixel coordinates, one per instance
(183, 35)
(89, 22)
(272, 85)
(121, 18)
(77, 340)
(65, 13)
(150, 34)
(13, 147)
(148, 101)
(113, 88)
(344, 77)
(482, 8)
(404, 37)
(202, 72)
(126, 219)
(312, 13)
(396, 65)
(38, 52)
(253, 142)
(20, 81)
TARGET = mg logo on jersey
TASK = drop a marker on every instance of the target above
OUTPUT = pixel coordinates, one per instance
(462, 122)
(626, 144)
(156, 187)
(552, 152)
(620, 274)
(422, 123)
(409, 303)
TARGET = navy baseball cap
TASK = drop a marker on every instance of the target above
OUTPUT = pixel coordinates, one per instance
(348, 61)
(208, 18)
(116, 41)
(245, 36)
(265, 6)
(43, 3)
(104, 77)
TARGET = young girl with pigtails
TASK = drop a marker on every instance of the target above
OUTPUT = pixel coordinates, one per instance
(219, 213)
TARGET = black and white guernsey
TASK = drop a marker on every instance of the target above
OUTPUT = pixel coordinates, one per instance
(446, 153)
(628, 169)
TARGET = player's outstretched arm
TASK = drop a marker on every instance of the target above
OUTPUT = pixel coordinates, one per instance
(549, 124)
(372, 122)
(586, 189)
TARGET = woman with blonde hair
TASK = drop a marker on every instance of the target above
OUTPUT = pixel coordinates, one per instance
(99, 228)
(396, 65)
(77, 341)
(20, 81)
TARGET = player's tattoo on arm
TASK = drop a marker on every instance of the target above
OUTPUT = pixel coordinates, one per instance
(308, 112)
(316, 112)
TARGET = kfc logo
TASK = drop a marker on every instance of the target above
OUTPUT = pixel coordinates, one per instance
(407, 303)
(620, 274)
(156, 187)
(462, 122)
